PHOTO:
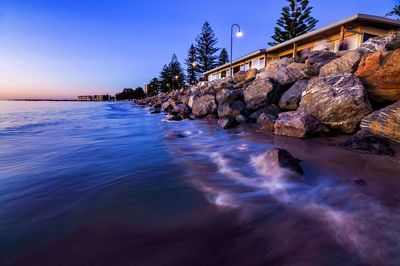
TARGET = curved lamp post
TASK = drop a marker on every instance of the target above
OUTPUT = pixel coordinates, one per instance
(238, 34)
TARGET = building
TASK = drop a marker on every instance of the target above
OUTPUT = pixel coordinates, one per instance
(347, 34)
(96, 98)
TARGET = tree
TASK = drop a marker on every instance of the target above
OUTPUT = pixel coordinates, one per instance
(153, 87)
(395, 12)
(206, 50)
(130, 94)
(191, 65)
(172, 76)
(295, 20)
(223, 57)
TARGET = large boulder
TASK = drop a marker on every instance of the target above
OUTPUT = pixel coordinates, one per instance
(231, 109)
(380, 73)
(291, 98)
(227, 96)
(180, 112)
(366, 142)
(381, 43)
(299, 124)
(384, 122)
(266, 122)
(261, 92)
(168, 105)
(339, 101)
(316, 60)
(204, 105)
(239, 76)
(251, 75)
(347, 63)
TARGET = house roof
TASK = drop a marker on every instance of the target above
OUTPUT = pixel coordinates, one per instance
(238, 60)
(382, 21)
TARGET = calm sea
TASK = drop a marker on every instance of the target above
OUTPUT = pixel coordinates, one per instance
(110, 184)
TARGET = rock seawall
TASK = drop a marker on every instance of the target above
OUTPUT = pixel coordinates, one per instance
(330, 93)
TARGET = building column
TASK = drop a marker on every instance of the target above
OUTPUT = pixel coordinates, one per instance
(294, 50)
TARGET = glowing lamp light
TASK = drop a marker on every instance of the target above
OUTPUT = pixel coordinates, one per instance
(239, 34)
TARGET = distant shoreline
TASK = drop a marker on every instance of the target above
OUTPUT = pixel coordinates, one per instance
(47, 100)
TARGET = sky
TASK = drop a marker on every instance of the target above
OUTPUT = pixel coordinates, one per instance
(63, 48)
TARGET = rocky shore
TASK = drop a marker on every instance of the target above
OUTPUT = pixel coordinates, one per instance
(356, 93)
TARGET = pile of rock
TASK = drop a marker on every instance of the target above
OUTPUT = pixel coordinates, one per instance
(328, 93)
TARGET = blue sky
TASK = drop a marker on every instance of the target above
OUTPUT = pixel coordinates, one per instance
(64, 48)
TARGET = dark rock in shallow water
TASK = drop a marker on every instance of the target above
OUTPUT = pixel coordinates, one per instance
(227, 123)
(155, 110)
(366, 142)
(283, 159)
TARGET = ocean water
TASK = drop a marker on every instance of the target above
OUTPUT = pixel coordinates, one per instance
(111, 184)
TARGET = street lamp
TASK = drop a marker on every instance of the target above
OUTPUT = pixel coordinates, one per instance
(238, 34)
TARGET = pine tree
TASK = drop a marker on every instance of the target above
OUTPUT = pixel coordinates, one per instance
(165, 79)
(395, 12)
(295, 20)
(153, 87)
(172, 76)
(206, 50)
(191, 65)
(177, 74)
(223, 57)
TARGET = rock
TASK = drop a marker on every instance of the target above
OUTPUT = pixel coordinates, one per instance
(384, 122)
(241, 119)
(185, 100)
(316, 60)
(204, 105)
(251, 75)
(261, 92)
(239, 76)
(222, 84)
(168, 105)
(380, 73)
(280, 158)
(366, 142)
(381, 43)
(155, 110)
(227, 96)
(291, 98)
(284, 76)
(266, 122)
(227, 123)
(231, 109)
(339, 101)
(299, 124)
(190, 102)
(269, 109)
(347, 63)
(281, 63)
(180, 112)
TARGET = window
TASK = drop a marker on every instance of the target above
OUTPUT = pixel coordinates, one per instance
(261, 63)
(367, 36)
(241, 67)
(246, 66)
